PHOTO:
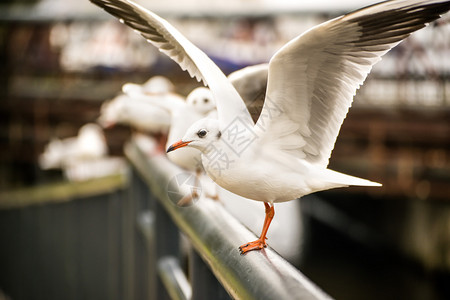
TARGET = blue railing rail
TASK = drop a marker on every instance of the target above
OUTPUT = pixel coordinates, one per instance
(215, 264)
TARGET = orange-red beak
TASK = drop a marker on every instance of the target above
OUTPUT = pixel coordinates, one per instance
(177, 145)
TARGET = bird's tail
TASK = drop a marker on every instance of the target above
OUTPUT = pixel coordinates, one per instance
(347, 180)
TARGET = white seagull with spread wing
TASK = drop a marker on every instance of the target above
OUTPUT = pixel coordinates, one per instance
(311, 83)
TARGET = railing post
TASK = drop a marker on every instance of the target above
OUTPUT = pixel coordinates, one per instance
(166, 243)
(141, 198)
(162, 234)
(203, 282)
(128, 233)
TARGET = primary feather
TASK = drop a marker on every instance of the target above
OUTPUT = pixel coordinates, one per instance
(313, 78)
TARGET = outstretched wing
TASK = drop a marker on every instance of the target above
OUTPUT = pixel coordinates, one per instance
(313, 78)
(171, 42)
(251, 83)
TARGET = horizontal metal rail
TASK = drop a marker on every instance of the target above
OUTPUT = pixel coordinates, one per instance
(61, 192)
(216, 235)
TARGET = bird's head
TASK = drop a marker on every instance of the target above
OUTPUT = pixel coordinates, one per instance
(202, 100)
(200, 135)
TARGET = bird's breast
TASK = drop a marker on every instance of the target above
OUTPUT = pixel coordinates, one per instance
(255, 181)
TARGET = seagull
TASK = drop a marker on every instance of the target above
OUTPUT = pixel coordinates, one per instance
(200, 104)
(250, 82)
(183, 113)
(156, 85)
(310, 87)
(133, 110)
(88, 145)
(131, 107)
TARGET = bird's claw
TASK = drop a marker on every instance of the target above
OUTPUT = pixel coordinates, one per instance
(255, 245)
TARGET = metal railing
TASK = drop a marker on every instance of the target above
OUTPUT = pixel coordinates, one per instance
(123, 238)
(213, 235)
(68, 241)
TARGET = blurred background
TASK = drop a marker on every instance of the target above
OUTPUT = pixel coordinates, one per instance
(62, 59)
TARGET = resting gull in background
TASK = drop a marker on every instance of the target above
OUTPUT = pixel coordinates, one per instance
(89, 144)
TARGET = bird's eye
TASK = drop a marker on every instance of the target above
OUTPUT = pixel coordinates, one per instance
(206, 100)
(202, 133)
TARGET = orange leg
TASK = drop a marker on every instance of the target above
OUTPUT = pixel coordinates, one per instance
(261, 242)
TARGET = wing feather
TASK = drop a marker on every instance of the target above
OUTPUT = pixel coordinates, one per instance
(251, 83)
(313, 78)
(171, 42)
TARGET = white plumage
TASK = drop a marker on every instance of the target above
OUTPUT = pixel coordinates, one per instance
(156, 85)
(311, 84)
(88, 145)
(82, 157)
(183, 113)
(135, 111)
